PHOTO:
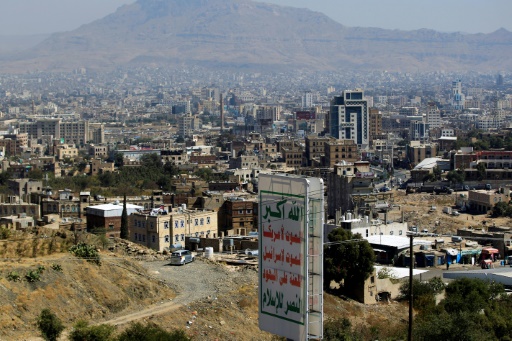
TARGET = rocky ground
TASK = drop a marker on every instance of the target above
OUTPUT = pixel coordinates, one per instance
(415, 208)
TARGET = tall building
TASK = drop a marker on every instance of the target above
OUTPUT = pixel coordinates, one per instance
(433, 116)
(348, 117)
(307, 100)
(375, 117)
(69, 132)
(499, 80)
(458, 97)
(419, 131)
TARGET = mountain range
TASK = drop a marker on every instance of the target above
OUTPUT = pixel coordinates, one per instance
(248, 35)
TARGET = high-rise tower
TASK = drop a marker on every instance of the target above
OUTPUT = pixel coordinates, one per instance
(458, 97)
(221, 114)
(348, 117)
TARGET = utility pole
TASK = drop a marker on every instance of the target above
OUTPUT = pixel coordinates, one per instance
(411, 264)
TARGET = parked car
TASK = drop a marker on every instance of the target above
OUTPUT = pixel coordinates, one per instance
(181, 257)
(455, 213)
(385, 189)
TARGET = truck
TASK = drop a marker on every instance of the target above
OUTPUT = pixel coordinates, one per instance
(447, 210)
(443, 190)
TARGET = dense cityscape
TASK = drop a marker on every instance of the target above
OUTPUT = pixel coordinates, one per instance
(205, 171)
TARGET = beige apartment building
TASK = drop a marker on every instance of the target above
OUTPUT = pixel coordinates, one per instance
(159, 231)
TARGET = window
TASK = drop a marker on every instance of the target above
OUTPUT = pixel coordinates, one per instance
(196, 222)
(177, 237)
(176, 224)
(166, 225)
(366, 232)
(240, 211)
(167, 239)
(208, 220)
(153, 238)
(391, 232)
(143, 237)
(201, 221)
(182, 223)
(151, 224)
(400, 232)
(110, 226)
(182, 237)
(249, 211)
(135, 237)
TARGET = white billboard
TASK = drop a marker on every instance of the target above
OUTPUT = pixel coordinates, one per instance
(290, 286)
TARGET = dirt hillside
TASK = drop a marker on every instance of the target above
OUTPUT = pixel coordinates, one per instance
(209, 299)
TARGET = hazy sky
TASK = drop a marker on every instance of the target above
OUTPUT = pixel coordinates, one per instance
(47, 16)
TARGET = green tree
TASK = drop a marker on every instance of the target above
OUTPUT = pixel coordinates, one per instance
(455, 177)
(424, 293)
(82, 331)
(481, 171)
(49, 325)
(151, 332)
(205, 173)
(502, 209)
(118, 159)
(349, 260)
(35, 173)
(436, 171)
(473, 309)
(470, 295)
(151, 160)
(124, 221)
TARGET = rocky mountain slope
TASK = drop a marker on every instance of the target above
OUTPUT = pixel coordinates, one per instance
(243, 34)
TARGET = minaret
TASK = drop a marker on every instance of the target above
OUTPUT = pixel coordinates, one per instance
(221, 114)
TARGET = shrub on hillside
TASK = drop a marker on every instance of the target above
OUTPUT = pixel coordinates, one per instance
(83, 331)
(49, 325)
(86, 251)
(151, 332)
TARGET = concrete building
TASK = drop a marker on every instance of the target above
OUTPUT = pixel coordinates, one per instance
(98, 166)
(108, 217)
(73, 132)
(348, 118)
(336, 151)
(98, 151)
(240, 216)
(350, 185)
(192, 223)
(23, 208)
(458, 98)
(417, 152)
(315, 149)
(23, 188)
(434, 116)
(419, 130)
(408, 111)
(176, 157)
(150, 230)
(244, 161)
(375, 117)
(65, 151)
(293, 156)
(482, 201)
